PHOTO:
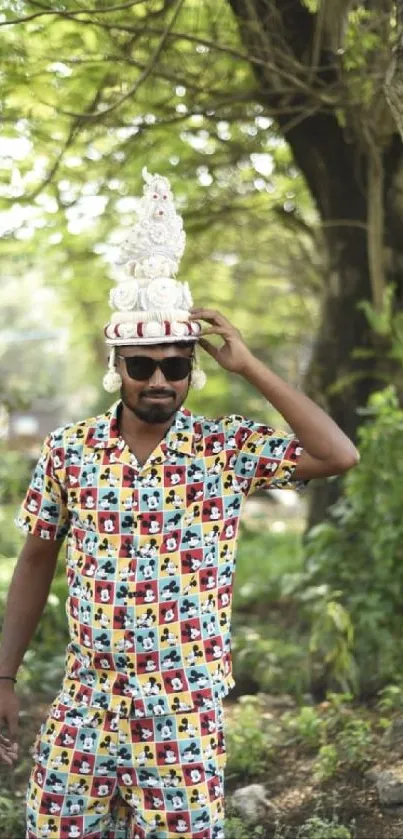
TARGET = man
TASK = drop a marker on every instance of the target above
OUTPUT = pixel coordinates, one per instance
(149, 497)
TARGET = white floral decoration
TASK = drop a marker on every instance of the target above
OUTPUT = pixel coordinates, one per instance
(161, 294)
(187, 299)
(124, 297)
(127, 330)
(158, 234)
(178, 328)
(150, 304)
(156, 265)
(153, 329)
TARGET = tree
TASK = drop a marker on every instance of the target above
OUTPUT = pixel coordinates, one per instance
(230, 79)
(335, 117)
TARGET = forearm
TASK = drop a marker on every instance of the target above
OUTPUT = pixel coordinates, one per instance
(319, 435)
(26, 600)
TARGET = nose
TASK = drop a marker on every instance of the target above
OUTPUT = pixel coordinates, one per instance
(157, 379)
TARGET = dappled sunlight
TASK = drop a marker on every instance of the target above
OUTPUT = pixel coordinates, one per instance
(279, 127)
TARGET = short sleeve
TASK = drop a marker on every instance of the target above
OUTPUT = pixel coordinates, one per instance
(264, 458)
(44, 510)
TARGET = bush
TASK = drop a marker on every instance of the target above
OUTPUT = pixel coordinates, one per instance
(264, 662)
(12, 818)
(360, 550)
(249, 745)
(326, 763)
(306, 727)
(43, 663)
(15, 474)
(391, 698)
(11, 539)
(334, 728)
(318, 828)
(263, 560)
(235, 828)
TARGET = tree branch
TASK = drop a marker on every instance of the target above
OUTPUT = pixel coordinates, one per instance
(394, 77)
(331, 22)
(100, 114)
(73, 14)
(74, 130)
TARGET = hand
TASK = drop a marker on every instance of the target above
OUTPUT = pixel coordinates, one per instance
(233, 355)
(9, 711)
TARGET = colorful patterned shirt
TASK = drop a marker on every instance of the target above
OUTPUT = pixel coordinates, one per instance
(151, 551)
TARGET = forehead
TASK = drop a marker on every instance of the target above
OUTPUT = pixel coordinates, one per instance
(157, 350)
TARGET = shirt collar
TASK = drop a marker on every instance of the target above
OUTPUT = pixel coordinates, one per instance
(104, 433)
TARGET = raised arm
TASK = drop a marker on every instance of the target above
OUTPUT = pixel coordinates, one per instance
(327, 450)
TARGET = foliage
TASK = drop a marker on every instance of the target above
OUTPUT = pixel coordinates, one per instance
(72, 164)
(318, 828)
(359, 551)
(248, 744)
(15, 474)
(43, 663)
(11, 541)
(288, 634)
(391, 698)
(264, 558)
(327, 762)
(354, 742)
(238, 829)
(334, 730)
(332, 636)
(387, 322)
(263, 660)
(12, 818)
(306, 727)
(31, 347)
(89, 98)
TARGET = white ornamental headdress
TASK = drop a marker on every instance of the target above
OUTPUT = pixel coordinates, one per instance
(149, 305)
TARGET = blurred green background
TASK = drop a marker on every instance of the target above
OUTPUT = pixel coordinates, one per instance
(279, 131)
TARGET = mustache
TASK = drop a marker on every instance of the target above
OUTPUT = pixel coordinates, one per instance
(158, 392)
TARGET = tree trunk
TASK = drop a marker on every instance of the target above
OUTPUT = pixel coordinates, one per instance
(349, 361)
(364, 250)
(394, 76)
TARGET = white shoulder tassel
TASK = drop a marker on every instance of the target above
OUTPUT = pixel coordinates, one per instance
(198, 379)
(112, 380)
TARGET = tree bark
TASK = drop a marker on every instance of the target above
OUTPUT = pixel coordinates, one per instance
(394, 76)
(335, 164)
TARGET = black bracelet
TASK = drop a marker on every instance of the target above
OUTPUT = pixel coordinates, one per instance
(11, 678)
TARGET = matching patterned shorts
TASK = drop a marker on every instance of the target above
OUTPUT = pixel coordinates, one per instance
(110, 775)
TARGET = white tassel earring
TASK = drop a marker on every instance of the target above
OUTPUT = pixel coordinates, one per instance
(112, 380)
(198, 378)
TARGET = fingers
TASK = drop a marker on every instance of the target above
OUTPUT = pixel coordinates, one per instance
(210, 315)
(213, 330)
(8, 751)
(9, 755)
(9, 723)
(208, 346)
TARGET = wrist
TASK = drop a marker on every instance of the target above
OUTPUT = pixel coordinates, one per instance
(249, 366)
(7, 685)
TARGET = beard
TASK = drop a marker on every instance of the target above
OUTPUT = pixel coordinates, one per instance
(154, 414)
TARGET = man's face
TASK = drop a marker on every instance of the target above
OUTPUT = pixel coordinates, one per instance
(156, 399)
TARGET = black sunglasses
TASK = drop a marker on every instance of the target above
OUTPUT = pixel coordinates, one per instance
(142, 367)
